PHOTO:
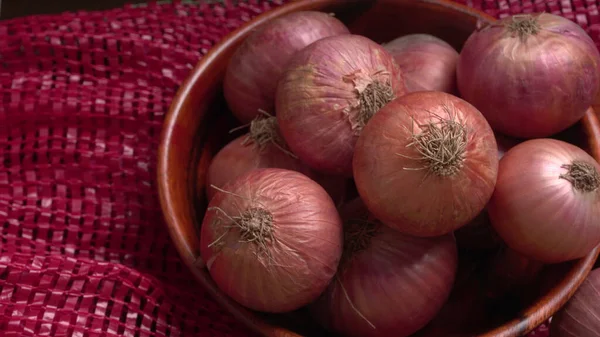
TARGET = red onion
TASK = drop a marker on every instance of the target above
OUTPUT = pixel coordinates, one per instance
(580, 317)
(426, 163)
(262, 147)
(547, 203)
(427, 62)
(328, 93)
(531, 75)
(251, 77)
(272, 239)
(388, 284)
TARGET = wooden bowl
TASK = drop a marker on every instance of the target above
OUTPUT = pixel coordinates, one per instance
(197, 123)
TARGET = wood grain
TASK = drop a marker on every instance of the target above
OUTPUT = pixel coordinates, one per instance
(189, 140)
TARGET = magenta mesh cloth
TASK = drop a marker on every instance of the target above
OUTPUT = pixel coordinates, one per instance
(83, 248)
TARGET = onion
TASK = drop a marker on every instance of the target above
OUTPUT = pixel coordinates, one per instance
(272, 239)
(547, 203)
(327, 95)
(580, 316)
(262, 147)
(251, 77)
(426, 163)
(388, 284)
(530, 75)
(427, 62)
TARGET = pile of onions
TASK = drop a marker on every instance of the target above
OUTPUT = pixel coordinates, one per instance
(546, 204)
(261, 147)
(580, 317)
(530, 75)
(272, 239)
(426, 163)
(388, 284)
(328, 93)
(433, 178)
(251, 78)
(427, 62)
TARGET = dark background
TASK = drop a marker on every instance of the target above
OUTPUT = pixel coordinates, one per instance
(16, 8)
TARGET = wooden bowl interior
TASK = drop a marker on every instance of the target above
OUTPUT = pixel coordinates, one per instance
(198, 126)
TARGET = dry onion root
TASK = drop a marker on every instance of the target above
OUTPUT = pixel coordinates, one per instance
(261, 147)
(272, 239)
(426, 163)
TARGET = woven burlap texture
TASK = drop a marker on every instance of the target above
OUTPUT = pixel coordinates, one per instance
(84, 250)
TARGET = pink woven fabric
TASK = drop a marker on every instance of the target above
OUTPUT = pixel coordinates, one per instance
(83, 248)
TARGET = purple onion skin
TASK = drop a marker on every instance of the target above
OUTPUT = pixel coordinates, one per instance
(251, 77)
(580, 317)
(427, 62)
(396, 284)
(533, 87)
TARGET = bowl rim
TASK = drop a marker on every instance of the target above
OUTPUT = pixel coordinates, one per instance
(527, 319)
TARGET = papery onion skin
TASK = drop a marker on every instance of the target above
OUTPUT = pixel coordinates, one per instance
(533, 87)
(251, 76)
(427, 62)
(317, 101)
(396, 183)
(396, 284)
(579, 317)
(241, 156)
(538, 213)
(288, 271)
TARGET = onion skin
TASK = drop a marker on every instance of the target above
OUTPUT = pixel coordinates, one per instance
(397, 283)
(297, 265)
(427, 62)
(239, 157)
(317, 99)
(579, 317)
(535, 211)
(251, 77)
(390, 177)
(530, 88)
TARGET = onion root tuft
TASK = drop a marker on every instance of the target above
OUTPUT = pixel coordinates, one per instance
(524, 26)
(264, 131)
(441, 146)
(373, 94)
(583, 176)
